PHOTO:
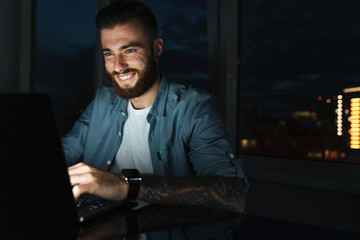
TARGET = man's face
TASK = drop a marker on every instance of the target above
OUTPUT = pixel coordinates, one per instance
(130, 59)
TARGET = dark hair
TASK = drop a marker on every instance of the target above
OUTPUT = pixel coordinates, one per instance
(124, 11)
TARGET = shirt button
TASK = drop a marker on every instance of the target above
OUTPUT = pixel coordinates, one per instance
(108, 162)
(120, 134)
(231, 155)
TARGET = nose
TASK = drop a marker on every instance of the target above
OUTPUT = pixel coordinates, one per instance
(120, 64)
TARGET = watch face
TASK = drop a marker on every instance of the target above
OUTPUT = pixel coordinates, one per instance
(131, 174)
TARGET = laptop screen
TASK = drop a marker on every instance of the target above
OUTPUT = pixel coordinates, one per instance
(34, 184)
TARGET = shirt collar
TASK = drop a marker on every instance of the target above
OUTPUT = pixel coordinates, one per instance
(159, 105)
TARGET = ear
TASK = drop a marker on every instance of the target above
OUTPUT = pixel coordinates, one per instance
(158, 46)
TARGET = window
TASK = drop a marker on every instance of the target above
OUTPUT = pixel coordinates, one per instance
(183, 26)
(64, 56)
(300, 80)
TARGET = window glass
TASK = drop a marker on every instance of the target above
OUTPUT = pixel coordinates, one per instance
(183, 26)
(64, 56)
(300, 79)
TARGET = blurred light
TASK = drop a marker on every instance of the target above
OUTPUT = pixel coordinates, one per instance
(354, 132)
(244, 143)
(339, 115)
(354, 120)
(354, 89)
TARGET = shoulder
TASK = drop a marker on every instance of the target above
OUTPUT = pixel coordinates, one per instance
(105, 92)
(106, 95)
(190, 102)
(189, 94)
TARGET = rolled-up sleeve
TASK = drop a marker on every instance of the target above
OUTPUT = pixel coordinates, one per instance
(210, 149)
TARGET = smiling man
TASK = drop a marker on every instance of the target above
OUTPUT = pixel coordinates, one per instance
(147, 137)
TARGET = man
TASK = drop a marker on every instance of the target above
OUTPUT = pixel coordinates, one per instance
(170, 133)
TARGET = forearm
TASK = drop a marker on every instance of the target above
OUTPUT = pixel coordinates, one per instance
(226, 193)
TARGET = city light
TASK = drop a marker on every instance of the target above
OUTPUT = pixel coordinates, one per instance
(349, 90)
(339, 112)
(354, 123)
(244, 143)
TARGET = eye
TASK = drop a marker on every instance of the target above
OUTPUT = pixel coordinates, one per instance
(130, 50)
(107, 54)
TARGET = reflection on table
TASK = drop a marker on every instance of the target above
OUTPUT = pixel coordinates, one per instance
(150, 222)
(166, 222)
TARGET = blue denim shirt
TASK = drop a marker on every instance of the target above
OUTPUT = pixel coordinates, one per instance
(186, 138)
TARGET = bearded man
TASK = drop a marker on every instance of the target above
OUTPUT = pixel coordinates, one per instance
(147, 137)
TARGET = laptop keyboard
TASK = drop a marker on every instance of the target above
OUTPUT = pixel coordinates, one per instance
(87, 205)
(88, 208)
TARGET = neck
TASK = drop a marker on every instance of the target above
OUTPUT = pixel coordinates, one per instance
(147, 99)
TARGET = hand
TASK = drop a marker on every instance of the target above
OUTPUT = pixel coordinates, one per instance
(87, 179)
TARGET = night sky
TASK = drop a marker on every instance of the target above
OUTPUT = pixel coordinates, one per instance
(64, 52)
(297, 50)
(292, 50)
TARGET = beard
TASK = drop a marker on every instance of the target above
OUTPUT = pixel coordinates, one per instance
(146, 79)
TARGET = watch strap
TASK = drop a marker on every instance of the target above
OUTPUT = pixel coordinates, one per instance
(134, 187)
(133, 178)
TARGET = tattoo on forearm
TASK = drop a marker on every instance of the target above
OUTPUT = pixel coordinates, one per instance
(215, 192)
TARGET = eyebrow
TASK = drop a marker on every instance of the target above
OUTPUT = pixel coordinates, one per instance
(133, 44)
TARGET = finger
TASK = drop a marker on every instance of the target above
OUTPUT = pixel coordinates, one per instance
(81, 189)
(79, 168)
(83, 178)
(76, 192)
(76, 179)
(80, 164)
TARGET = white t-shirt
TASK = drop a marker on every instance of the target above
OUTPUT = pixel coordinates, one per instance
(134, 150)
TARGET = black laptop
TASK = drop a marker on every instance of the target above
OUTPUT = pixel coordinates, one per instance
(34, 182)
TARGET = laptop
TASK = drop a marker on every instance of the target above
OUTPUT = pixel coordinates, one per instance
(34, 182)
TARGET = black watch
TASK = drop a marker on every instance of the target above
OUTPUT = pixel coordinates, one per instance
(133, 177)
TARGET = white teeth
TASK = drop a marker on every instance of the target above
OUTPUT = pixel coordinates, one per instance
(126, 77)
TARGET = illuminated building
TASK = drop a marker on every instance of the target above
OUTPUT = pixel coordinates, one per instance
(348, 117)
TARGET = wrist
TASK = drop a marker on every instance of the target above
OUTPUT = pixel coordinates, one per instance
(133, 179)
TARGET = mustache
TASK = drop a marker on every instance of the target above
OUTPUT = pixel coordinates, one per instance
(115, 73)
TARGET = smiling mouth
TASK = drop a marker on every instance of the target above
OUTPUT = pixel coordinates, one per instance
(125, 77)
